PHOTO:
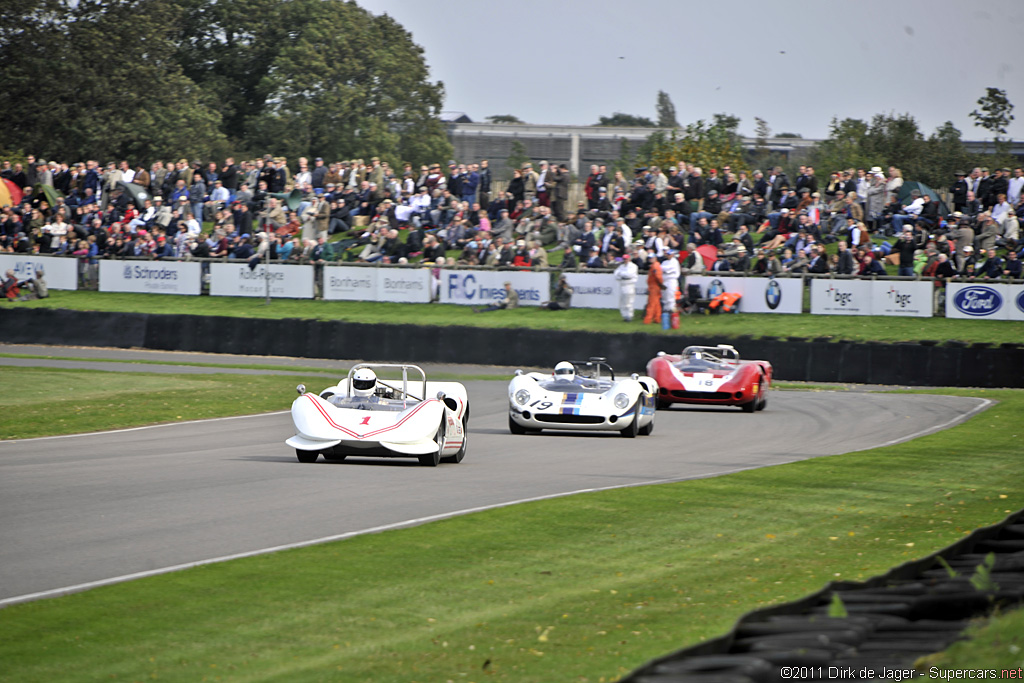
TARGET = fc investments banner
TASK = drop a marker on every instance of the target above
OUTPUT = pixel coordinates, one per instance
(286, 281)
(59, 272)
(482, 287)
(151, 277)
(759, 294)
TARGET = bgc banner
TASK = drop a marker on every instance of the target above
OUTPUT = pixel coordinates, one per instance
(759, 294)
(236, 279)
(902, 298)
(151, 277)
(983, 300)
(59, 273)
(403, 285)
(482, 287)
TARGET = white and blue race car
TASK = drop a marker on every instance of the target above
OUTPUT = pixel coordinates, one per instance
(584, 396)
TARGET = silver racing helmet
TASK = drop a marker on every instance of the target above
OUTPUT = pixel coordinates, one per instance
(565, 371)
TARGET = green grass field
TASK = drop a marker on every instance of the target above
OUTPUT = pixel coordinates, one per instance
(583, 588)
(853, 328)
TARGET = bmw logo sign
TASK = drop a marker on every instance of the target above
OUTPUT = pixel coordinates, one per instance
(715, 288)
(1020, 302)
(977, 301)
(773, 294)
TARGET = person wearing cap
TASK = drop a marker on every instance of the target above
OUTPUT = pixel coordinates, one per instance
(959, 190)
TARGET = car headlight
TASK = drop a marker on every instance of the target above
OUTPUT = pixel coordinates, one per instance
(621, 401)
(522, 397)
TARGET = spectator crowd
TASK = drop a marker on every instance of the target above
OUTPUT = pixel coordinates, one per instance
(722, 220)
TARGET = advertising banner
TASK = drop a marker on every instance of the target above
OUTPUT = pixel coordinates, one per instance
(979, 300)
(350, 284)
(151, 277)
(841, 297)
(1015, 308)
(902, 298)
(482, 287)
(236, 279)
(594, 290)
(759, 294)
(59, 272)
(403, 285)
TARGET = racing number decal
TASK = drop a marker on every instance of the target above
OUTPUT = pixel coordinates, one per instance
(541, 405)
(366, 420)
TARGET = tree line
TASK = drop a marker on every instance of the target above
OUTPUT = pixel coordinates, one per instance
(162, 79)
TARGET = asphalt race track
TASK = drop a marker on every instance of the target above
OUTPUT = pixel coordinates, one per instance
(87, 510)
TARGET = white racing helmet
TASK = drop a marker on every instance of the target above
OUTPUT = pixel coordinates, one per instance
(364, 382)
(565, 371)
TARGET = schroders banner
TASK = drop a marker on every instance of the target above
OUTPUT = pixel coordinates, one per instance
(59, 272)
(237, 279)
(351, 283)
(983, 300)
(151, 277)
(483, 287)
(758, 294)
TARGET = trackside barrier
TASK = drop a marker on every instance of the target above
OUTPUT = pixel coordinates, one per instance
(806, 360)
(829, 295)
(60, 273)
(914, 609)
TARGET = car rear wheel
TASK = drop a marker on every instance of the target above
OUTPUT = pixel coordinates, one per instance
(306, 456)
(457, 458)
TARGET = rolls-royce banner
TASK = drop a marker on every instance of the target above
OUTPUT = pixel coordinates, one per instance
(984, 300)
(59, 273)
(482, 287)
(151, 277)
(758, 294)
(237, 279)
(351, 283)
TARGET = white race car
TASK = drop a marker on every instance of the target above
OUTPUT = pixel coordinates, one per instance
(581, 395)
(365, 415)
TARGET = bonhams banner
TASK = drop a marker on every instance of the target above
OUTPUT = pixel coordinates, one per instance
(353, 283)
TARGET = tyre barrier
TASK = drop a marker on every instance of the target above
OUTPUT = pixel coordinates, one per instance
(916, 609)
(927, 363)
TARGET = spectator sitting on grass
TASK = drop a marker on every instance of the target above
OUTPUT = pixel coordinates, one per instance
(562, 298)
(509, 301)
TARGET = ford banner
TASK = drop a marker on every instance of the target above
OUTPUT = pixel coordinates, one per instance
(978, 300)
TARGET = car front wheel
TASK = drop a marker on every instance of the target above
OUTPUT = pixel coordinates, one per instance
(306, 456)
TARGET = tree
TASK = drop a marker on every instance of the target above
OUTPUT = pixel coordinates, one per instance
(620, 119)
(707, 146)
(517, 156)
(666, 111)
(114, 112)
(504, 118)
(762, 132)
(996, 113)
(944, 154)
(796, 136)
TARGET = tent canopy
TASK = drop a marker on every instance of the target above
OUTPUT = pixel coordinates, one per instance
(907, 187)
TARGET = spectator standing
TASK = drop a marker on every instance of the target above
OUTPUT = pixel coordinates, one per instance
(627, 274)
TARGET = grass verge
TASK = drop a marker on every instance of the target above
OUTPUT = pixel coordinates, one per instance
(855, 328)
(576, 589)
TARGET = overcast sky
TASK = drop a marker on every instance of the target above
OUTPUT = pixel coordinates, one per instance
(795, 64)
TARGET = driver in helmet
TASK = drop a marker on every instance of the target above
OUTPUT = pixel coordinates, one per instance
(565, 372)
(364, 383)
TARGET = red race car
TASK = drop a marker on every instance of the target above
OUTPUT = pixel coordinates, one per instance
(711, 375)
